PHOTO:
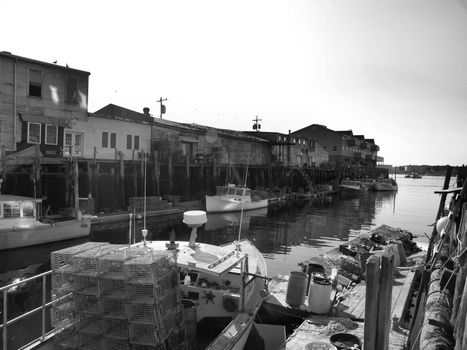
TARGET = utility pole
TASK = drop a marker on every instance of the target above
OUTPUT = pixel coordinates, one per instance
(256, 126)
(162, 106)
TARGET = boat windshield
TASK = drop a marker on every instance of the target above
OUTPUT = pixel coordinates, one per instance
(28, 209)
(11, 210)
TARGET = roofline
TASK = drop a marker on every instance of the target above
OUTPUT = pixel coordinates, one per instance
(30, 60)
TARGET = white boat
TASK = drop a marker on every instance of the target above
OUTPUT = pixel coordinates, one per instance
(351, 185)
(232, 198)
(20, 225)
(385, 185)
(217, 283)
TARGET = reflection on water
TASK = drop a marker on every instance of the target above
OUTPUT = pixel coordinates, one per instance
(286, 233)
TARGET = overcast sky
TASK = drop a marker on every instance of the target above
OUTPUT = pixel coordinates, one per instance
(392, 70)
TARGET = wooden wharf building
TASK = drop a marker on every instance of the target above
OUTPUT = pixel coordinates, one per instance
(49, 141)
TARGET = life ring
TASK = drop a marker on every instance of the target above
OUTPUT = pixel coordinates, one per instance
(229, 305)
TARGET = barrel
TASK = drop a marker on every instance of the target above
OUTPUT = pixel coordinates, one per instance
(296, 288)
(189, 317)
(319, 295)
(312, 269)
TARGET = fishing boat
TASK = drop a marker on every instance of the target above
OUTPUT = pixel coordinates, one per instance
(21, 225)
(385, 185)
(351, 186)
(413, 175)
(154, 294)
(233, 198)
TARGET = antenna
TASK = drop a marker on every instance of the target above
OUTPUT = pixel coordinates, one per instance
(243, 202)
(256, 125)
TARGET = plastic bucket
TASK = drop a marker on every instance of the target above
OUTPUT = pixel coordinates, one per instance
(296, 288)
(319, 295)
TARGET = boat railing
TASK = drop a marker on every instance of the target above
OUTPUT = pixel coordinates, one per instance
(45, 335)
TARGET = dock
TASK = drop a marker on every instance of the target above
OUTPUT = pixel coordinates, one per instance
(349, 298)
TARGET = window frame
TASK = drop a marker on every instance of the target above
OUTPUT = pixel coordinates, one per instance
(129, 141)
(113, 140)
(28, 140)
(105, 139)
(74, 98)
(136, 142)
(46, 134)
(40, 83)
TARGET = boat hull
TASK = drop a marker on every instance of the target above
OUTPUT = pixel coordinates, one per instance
(216, 204)
(384, 187)
(43, 233)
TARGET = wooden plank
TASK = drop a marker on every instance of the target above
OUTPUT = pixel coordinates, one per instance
(385, 298)
(371, 302)
(399, 300)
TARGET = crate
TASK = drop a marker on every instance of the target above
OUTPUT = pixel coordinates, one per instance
(115, 344)
(140, 293)
(115, 329)
(86, 304)
(60, 259)
(113, 308)
(88, 341)
(111, 265)
(67, 339)
(86, 263)
(142, 313)
(111, 288)
(148, 268)
(145, 334)
(63, 313)
(86, 285)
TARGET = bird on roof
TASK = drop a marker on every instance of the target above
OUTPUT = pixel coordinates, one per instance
(66, 65)
(55, 62)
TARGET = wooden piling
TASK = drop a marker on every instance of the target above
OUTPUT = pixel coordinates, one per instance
(459, 288)
(371, 302)
(385, 297)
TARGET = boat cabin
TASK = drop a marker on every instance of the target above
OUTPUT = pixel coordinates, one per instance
(18, 211)
(232, 190)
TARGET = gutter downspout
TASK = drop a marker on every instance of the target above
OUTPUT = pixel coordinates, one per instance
(14, 104)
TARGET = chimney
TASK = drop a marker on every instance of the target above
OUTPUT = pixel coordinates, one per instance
(146, 110)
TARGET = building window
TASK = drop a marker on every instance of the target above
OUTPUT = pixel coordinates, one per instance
(113, 140)
(334, 148)
(51, 134)
(129, 140)
(73, 144)
(35, 83)
(71, 90)
(105, 139)
(34, 133)
(136, 142)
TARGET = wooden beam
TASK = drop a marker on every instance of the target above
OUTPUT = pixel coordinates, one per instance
(385, 297)
(372, 300)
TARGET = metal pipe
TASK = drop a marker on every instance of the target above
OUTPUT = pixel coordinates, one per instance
(5, 318)
(14, 104)
(44, 292)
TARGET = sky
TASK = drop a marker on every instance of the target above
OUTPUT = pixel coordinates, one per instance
(392, 70)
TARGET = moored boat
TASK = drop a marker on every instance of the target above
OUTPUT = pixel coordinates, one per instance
(21, 226)
(233, 198)
(351, 186)
(385, 185)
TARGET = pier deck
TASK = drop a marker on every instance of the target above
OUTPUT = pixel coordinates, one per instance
(351, 310)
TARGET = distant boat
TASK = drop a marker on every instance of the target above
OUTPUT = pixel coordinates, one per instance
(233, 198)
(413, 175)
(20, 225)
(385, 185)
(351, 185)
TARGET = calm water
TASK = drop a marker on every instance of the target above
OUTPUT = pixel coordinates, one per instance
(286, 233)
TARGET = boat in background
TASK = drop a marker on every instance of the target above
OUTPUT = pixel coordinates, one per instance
(351, 185)
(233, 198)
(385, 185)
(413, 175)
(22, 226)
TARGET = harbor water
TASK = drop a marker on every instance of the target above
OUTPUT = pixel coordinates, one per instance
(286, 232)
